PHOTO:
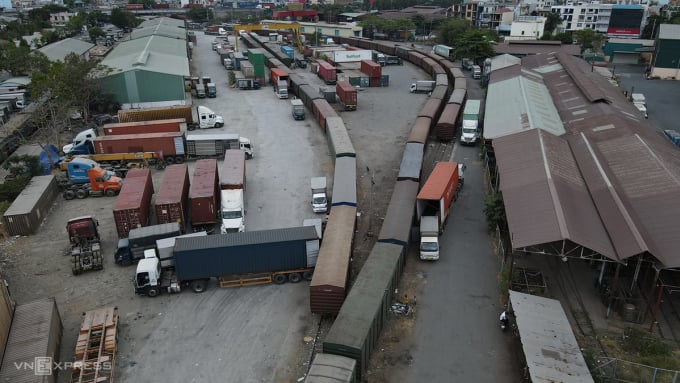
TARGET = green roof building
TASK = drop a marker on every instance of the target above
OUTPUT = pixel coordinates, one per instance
(666, 61)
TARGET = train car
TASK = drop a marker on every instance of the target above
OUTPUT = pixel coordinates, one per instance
(442, 79)
(355, 332)
(416, 58)
(308, 94)
(339, 142)
(403, 52)
(445, 129)
(327, 290)
(420, 130)
(322, 110)
(345, 182)
(329, 368)
(427, 65)
(411, 162)
(440, 92)
(460, 83)
(386, 48)
(396, 227)
(456, 73)
(296, 81)
(457, 96)
(431, 109)
(273, 63)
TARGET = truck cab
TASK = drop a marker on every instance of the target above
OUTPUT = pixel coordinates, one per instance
(212, 90)
(281, 89)
(298, 109)
(80, 139)
(470, 132)
(104, 182)
(429, 238)
(82, 229)
(232, 211)
(319, 199)
(148, 277)
(476, 72)
(207, 118)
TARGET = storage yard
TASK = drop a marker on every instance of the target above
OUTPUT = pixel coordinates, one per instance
(211, 325)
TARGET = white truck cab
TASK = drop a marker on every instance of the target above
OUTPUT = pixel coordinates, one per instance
(79, 139)
(429, 238)
(319, 199)
(233, 213)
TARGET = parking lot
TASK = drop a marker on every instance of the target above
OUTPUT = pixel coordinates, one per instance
(252, 334)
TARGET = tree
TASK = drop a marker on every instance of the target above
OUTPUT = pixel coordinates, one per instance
(95, 33)
(200, 15)
(95, 17)
(451, 30)
(652, 27)
(565, 38)
(20, 60)
(475, 44)
(494, 209)
(589, 39)
(552, 21)
(123, 19)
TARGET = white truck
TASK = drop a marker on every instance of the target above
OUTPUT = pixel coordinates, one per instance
(232, 211)
(470, 131)
(424, 86)
(164, 248)
(319, 199)
(640, 103)
(281, 89)
(429, 238)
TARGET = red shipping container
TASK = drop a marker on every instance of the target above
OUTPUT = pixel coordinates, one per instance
(171, 199)
(327, 72)
(438, 191)
(204, 193)
(322, 110)
(371, 68)
(132, 206)
(171, 144)
(374, 82)
(157, 126)
(233, 174)
(347, 94)
(446, 126)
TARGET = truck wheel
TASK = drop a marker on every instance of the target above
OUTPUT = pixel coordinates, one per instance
(126, 262)
(80, 194)
(110, 192)
(218, 125)
(191, 127)
(307, 275)
(179, 160)
(152, 292)
(198, 286)
(170, 160)
(69, 195)
(294, 277)
(280, 279)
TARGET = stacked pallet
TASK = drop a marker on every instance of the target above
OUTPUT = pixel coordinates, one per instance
(96, 347)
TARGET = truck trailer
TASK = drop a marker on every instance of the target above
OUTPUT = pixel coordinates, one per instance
(132, 206)
(131, 249)
(279, 79)
(215, 145)
(171, 199)
(170, 144)
(237, 259)
(437, 194)
(470, 130)
(327, 73)
(232, 195)
(200, 117)
(139, 127)
(204, 194)
(347, 94)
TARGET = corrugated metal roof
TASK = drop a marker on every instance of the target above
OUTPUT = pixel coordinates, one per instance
(246, 238)
(329, 368)
(153, 53)
(532, 47)
(62, 48)
(669, 31)
(336, 248)
(167, 21)
(546, 199)
(159, 29)
(503, 61)
(26, 200)
(550, 348)
(519, 103)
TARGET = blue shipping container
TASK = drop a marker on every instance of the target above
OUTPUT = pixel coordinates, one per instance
(288, 51)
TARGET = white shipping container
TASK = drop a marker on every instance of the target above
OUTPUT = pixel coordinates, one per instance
(351, 56)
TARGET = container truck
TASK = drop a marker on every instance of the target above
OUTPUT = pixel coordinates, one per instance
(236, 259)
(204, 194)
(131, 249)
(247, 84)
(279, 79)
(171, 199)
(429, 238)
(444, 51)
(232, 186)
(470, 130)
(215, 145)
(169, 145)
(233, 171)
(327, 73)
(424, 86)
(200, 117)
(379, 58)
(347, 94)
(138, 127)
(165, 247)
(319, 199)
(435, 199)
(297, 109)
(132, 206)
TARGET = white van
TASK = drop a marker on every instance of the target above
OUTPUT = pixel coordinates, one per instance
(476, 72)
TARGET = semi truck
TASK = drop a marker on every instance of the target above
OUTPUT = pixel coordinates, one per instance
(200, 117)
(215, 145)
(204, 195)
(84, 178)
(131, 249)
(235, 259)
(232, 192)
(132, 206)
(319, 198)
(429, 238)
(379, 58)
(247, 84)
(424, 86)
(165, 246)
(279, 79)
(297, 109)
(470, 129)
(444, 51)
(137, 127)
(327, 73)
(435, 199)
(347, 94)
(171, 200)
(85, 244)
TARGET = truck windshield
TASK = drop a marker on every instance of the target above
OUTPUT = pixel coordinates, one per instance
(142, 279)
(319, 200)
(469, 130)
(429, 246)
(108, 174)
(231, 214)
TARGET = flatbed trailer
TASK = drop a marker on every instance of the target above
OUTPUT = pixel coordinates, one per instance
(120, 162)
(95, 353)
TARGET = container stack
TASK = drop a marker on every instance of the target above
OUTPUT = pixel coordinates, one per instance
(134, 202)
(374, 72)
(256, 58)
(171, 201)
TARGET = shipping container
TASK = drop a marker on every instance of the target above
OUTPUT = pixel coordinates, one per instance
(416, 58)
(371, 68)
(211, 145)
(460, 83)
(327, 72)
(442, 79)
(356, 330)
(35, 336)
(139, 127)
(338, 139)
(328, 94)
(344, 182)
(204, 193)
(440, 92)
(159, 113)
(344, 56)
(445, 129)
(233, 175)
(132, 206)
(171, 199)
(411, 162)
(396, 227)
(420, 130)
(457, 96)
(6, 314)
(328, 287)
(436, 196)
(403, 52)
(170, 144)
(249, 252)
(329, 368)
(144, 238)
(248, 69)
(347, 94)
(296, 81)
(256, 56)
(375, 82)
(31, 206)
(430, 109)
(323, 110)
(456, 73)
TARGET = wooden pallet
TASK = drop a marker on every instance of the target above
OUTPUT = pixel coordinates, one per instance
(96, 347)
